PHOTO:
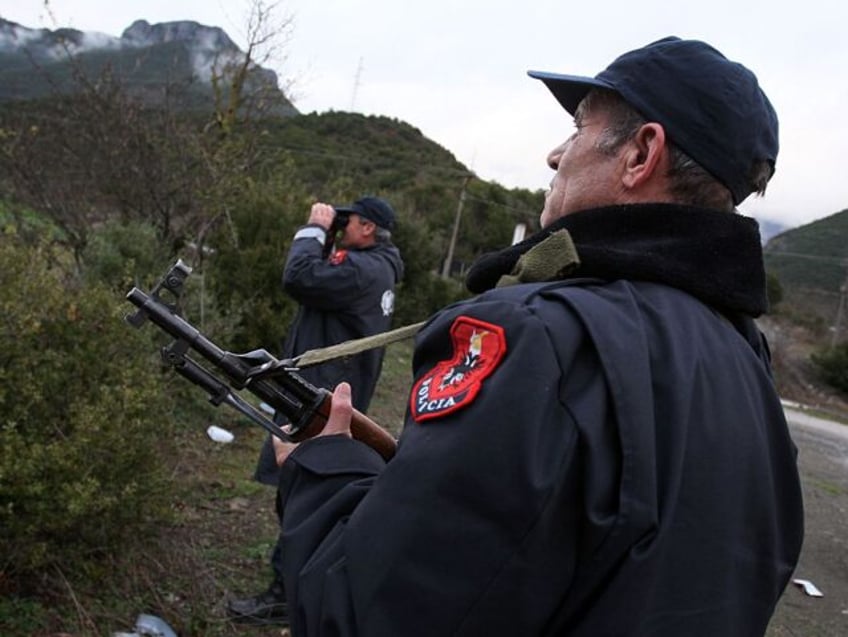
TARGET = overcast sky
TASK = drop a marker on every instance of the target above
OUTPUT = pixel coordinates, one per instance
(457, 70)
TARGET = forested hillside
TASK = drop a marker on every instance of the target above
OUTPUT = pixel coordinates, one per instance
(95, 164)
(813, 255)
(811, 264)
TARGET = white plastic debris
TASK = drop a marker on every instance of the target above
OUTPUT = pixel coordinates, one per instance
(808, 587)
(267, 408)
(154, 626)
(149, 626)
(219, 435)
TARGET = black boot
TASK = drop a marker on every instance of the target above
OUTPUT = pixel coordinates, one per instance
(264, 609)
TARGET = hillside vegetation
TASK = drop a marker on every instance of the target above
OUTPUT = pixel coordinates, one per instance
(811, 265)
(812, 256)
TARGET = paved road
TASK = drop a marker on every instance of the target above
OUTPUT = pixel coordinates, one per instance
(823, 462)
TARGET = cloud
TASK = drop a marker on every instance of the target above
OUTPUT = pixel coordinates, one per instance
(16, 36)
(92, 40)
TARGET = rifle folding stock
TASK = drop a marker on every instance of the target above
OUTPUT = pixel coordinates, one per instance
(274, 381)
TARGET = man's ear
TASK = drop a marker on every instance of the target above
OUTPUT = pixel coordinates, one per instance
(369, 228)
(644, 156)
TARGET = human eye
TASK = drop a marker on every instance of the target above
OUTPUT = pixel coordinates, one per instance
(579, 124)
(578, 127)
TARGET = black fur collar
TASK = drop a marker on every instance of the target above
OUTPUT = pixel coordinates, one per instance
(714, 256)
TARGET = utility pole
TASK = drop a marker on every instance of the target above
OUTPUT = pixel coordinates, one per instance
(356, 81)
(519, 232)
(837, 328)
(449, 259)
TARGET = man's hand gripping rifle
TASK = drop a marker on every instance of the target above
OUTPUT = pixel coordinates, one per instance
(274, 381)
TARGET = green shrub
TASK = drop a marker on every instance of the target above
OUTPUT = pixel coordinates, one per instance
(122, 254)
(80, 467)
(244, 276)
(774, 291)
(832, 364)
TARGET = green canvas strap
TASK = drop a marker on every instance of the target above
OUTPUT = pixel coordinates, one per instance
(355, 346)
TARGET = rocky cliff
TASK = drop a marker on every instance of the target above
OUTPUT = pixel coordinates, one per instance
(150, 60)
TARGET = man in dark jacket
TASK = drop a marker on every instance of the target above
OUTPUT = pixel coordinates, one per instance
(343, 294)
(594, 445)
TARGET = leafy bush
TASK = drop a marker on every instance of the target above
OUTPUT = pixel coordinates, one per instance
(832, 364)
(774, 291)
(79, 463)
(122, 254)
(245, 273)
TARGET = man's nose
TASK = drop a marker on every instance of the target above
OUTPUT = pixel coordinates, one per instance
(554, 156)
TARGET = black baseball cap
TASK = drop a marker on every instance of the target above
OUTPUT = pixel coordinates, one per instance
(710, 107)
(372, 208)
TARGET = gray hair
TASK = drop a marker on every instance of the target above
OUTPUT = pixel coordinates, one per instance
(382, 235)
(690, 183)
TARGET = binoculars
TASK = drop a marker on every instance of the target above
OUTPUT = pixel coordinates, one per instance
(340, 222)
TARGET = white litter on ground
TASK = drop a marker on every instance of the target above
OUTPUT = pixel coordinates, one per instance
(219, 435)
(809, 588)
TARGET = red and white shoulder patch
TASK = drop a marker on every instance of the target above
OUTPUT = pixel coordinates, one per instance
(478, 348)
(338, 257)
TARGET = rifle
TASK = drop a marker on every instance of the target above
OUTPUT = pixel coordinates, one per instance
(277, 382)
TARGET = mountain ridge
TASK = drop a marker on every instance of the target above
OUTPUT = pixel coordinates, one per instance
(148, 58)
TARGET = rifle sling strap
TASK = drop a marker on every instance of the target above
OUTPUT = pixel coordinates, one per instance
(355, 346)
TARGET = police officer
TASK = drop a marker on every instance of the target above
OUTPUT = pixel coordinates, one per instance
(344, 293)
(594, 445)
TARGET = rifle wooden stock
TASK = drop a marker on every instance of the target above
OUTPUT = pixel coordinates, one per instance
(362, 428)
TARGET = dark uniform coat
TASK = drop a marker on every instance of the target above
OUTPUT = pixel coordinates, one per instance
(603, 455)
(348, 296)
